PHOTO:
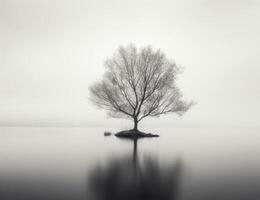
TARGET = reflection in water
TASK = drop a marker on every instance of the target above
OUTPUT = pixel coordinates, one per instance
(38, 166)
(133, 179)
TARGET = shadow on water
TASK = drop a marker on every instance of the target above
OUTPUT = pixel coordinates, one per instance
(132, 178)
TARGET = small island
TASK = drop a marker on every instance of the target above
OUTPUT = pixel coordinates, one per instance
(134, 134)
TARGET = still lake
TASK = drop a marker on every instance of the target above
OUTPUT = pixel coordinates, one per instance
(75, 163)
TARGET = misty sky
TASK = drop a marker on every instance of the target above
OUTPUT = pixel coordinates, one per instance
(52, 50)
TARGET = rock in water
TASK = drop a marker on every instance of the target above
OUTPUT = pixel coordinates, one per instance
(107, 133)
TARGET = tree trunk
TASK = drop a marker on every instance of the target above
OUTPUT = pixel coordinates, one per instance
(135, 124)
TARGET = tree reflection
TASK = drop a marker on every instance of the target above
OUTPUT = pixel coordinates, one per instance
(131, 178)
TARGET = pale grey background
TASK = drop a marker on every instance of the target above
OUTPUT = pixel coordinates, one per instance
(52, 50)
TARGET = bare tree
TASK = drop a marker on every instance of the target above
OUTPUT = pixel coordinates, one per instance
(138, 84)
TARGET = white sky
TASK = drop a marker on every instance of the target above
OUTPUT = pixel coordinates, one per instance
(52, 50)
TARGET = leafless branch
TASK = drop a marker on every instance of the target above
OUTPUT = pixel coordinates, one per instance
(138, 84)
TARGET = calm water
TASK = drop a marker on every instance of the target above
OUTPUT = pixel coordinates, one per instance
(80, 163)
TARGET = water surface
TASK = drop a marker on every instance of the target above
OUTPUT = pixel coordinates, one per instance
(75, 163)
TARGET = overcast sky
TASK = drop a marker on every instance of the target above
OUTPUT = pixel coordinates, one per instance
(52, 50)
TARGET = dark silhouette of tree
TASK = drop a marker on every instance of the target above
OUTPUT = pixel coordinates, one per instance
(138, 84)
(128, 179)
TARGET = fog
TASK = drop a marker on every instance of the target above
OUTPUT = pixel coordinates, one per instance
(51, 51)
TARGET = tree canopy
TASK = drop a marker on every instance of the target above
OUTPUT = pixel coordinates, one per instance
(138, 84)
